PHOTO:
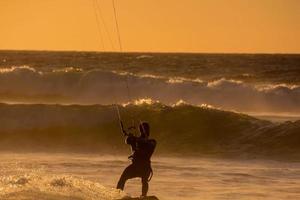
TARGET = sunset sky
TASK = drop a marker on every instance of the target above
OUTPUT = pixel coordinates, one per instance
(253, 26)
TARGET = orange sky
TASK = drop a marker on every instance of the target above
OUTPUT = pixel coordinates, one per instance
(265, 26)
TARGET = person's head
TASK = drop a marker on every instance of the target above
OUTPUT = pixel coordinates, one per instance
(144, 129)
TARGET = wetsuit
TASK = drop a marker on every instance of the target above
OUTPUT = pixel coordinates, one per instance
(141, 164)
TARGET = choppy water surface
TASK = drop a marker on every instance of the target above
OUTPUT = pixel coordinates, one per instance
(192, 101)
(65, 176)
(264, 84)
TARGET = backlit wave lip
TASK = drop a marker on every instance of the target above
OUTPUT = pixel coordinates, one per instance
(181, 129)
(17, 68)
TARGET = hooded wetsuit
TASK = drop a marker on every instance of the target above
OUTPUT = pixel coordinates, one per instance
(141, 162)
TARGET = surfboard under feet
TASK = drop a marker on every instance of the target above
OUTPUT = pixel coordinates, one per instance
(140, 198)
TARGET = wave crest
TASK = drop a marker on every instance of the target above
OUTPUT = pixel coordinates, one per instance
(76, 86)
(179, 129)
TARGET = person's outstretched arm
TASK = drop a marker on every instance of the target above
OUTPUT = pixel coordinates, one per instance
(123, 130)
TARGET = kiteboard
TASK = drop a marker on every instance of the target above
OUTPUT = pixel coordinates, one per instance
(140, 198)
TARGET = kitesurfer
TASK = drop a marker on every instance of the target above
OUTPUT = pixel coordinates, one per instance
(142, 148)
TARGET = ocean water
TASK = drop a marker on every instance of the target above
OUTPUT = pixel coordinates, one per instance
(227, 125)
(82, 176)
(263, 84)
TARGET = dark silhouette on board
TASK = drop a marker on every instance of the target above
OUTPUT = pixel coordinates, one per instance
(142, 148)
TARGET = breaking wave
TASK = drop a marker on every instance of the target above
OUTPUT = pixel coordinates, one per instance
(73, 85)
(180, 128)
(44, 186)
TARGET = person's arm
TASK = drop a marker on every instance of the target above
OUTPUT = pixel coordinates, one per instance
(123, 130)
(132, 141)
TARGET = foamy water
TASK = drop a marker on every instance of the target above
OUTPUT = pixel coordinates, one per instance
(86, 176)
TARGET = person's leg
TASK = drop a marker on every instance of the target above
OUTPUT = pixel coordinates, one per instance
(128, 173)
(145, 183)
(145, 186)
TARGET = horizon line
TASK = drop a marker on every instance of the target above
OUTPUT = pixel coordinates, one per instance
(151, 52)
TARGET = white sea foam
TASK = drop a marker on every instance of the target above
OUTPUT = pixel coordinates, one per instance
(204, 105)
(142, 101)
(144, 56)
(36, 184)
(223, 82)
(175, 178)
(16, 69)
(180, 103)
(68, 69)
(271, 87)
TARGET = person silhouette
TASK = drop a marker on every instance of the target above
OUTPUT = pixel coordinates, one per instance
(142, 148)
